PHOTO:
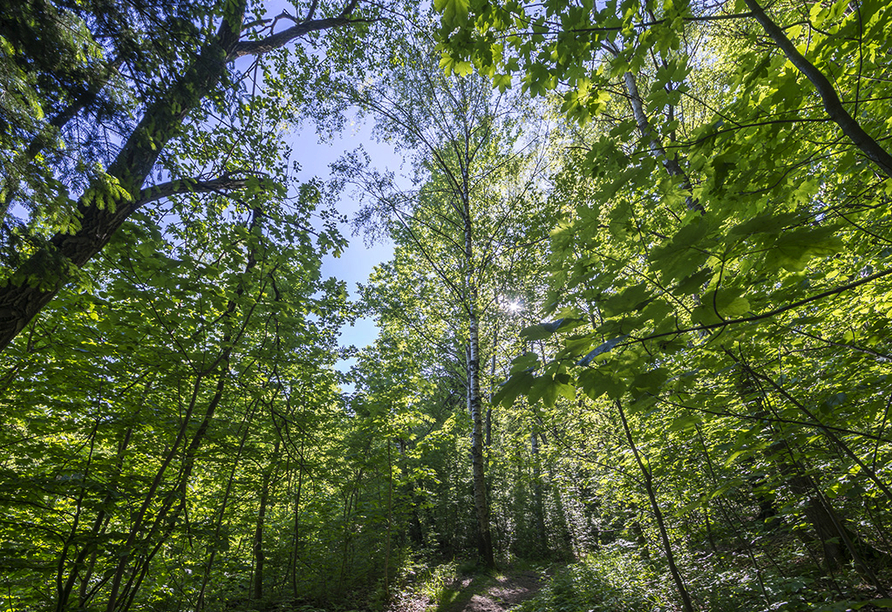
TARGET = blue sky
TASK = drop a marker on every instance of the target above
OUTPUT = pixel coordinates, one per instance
(356, 263)
(315, 156)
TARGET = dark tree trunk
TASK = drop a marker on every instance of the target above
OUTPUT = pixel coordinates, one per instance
(259, 554)
(647, 480)
(45, 272)
(475, 407)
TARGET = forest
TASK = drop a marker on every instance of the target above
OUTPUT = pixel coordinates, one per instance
(633, 340)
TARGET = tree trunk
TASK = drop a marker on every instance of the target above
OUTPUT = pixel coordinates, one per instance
(230, 338)
(259, 556)
(839, 543)
(647, 480)
(656, 147)
(45, 272)
(475, 404)
(23, 297)
(99, 523)
(481, 504)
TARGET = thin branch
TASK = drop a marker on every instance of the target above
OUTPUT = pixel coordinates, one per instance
(770, 313)
(832, 104)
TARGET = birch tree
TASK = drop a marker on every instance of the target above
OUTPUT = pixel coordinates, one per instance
(472, 174)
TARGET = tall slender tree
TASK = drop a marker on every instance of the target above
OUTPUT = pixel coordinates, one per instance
(476, 179)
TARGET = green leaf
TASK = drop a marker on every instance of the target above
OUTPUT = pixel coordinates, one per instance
(679, 257)
(694, 283)
(451, 66)
(600, 349)
(650, 382)
(876, 603)
(515, 386)
(764, 224)
(630, 299)
(543, 330)
(792, 250)
(596, 383)
(527, 362)
(502, 81)
(656, 312)
(549, 388)
(683, 422)
(721, 304)
(454, 12)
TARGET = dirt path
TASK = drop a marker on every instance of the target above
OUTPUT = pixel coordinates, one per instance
(494, 594)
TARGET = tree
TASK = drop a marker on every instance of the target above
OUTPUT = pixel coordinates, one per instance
(458, 226)
(727, 195)
(172, 72)
(143, 399)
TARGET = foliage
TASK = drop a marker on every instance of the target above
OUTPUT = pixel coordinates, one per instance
(156, 77)
(615, 579)
(718, 198)
(636, 315)
(607, 580)
(164, 419)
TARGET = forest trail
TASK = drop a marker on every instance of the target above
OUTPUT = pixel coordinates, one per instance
(477, 593)
(483, 593)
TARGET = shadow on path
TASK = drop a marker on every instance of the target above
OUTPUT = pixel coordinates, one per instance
(484, 593)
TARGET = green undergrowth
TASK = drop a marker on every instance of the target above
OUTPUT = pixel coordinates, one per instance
(613, 582)
(618, 579)
(432, 584)
(438, 583)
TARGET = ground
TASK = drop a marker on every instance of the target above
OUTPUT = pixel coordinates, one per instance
(503, 593)
(496, 592)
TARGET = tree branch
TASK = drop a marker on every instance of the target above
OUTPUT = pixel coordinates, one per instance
(190, 185)
(770, 313)
(87, 97)
(276, 41)
(832, 104)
